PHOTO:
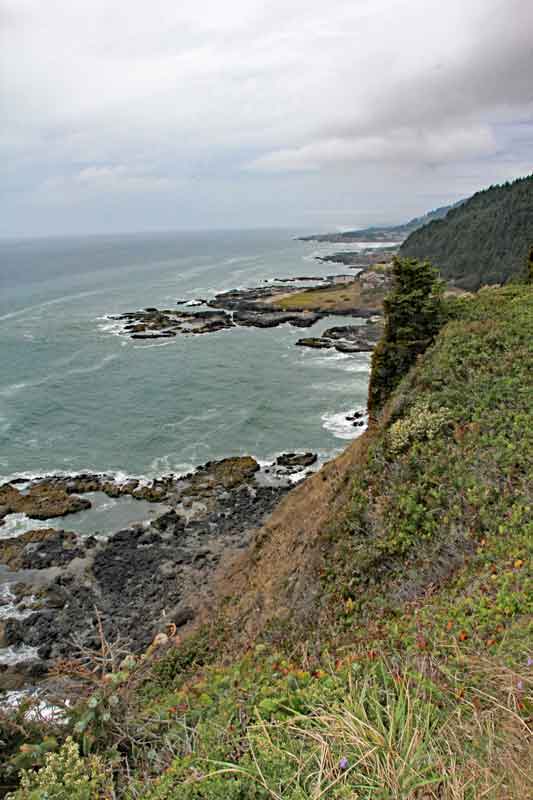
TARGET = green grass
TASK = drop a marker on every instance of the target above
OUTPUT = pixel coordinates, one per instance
(442, 509)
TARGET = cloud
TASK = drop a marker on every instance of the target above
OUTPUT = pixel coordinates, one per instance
(99, 181)
(405, 145)
(103, 98)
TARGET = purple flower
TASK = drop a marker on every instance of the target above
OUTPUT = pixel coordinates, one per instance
(520, 685)
(343, 763)
(529, 661)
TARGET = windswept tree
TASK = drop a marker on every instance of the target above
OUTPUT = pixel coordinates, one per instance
(413, 316)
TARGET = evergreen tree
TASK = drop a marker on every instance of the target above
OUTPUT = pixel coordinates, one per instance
(529, 276)
(413, 316)
(483, 240)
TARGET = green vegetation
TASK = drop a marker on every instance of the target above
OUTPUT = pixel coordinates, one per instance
(413, 316)
(482, 241)
(416, 678)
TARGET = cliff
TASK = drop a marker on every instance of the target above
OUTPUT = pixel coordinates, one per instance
(375, 639)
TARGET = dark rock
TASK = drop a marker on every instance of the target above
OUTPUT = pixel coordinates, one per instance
(169, 520)
(316, 342)
(181, 616)
(299, 460)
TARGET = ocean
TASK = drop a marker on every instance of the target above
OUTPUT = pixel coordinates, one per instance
(76, 396)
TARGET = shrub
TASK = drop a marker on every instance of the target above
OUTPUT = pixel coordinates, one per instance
(421, 424)
(66, 776)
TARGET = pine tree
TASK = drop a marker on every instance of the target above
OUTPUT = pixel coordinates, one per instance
(413, 316)
(529, 277)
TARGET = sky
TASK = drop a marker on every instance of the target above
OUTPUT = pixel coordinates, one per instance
(123, 116)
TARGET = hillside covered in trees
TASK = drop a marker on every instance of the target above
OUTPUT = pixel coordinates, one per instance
(482, 241)
(380, 233)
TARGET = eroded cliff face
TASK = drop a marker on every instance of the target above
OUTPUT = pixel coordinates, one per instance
(277, 580)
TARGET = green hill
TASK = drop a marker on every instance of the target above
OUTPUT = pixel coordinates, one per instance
(380, 233)
(482, 241)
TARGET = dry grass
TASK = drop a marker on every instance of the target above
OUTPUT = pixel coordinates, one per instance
(277, 578)
(341, 298)
(397, 737)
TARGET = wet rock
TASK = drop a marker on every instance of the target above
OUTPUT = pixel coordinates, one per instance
(355, 416)
(14, 677)
(300, 460)
(272, 319)
(137, 575)
(43, 500)
(317, 342)
(39, 549)
(11, 632)
(152, 323)
(167, 521)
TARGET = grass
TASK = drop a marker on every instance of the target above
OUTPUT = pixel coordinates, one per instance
(341, 298)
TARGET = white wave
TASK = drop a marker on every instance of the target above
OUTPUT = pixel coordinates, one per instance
(340, 427)
(357, 366)
(15, 388)
(58, 300)
(17, 655)
(110, 326)
(38, 709)
(17, 524)
(146, 346)
(166, 465)
(8, 607)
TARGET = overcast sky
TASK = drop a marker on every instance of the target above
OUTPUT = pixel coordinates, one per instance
(128, 115)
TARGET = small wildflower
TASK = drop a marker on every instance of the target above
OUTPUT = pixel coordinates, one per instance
(343, 763)
(520, 685)
(530, 661)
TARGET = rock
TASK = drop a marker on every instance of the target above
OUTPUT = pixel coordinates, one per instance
(38, 549)
(167, 569)
(43, 500)
(154, 335)
(356, 415)
(135, 577)
(169, 520)
(300, 460)
(272, 319)
(10, 632)
(316, 342)
(14, 677)
(153, 323)
(181, 616)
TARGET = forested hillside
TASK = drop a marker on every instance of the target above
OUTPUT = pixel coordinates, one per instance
(380, 233)
(482, 241)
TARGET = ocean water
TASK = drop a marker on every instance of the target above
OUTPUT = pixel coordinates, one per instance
(75, 396)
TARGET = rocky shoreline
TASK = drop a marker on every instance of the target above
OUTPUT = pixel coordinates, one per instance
(55, 585)
(265, 306)
(347, 338)
(58, 585)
